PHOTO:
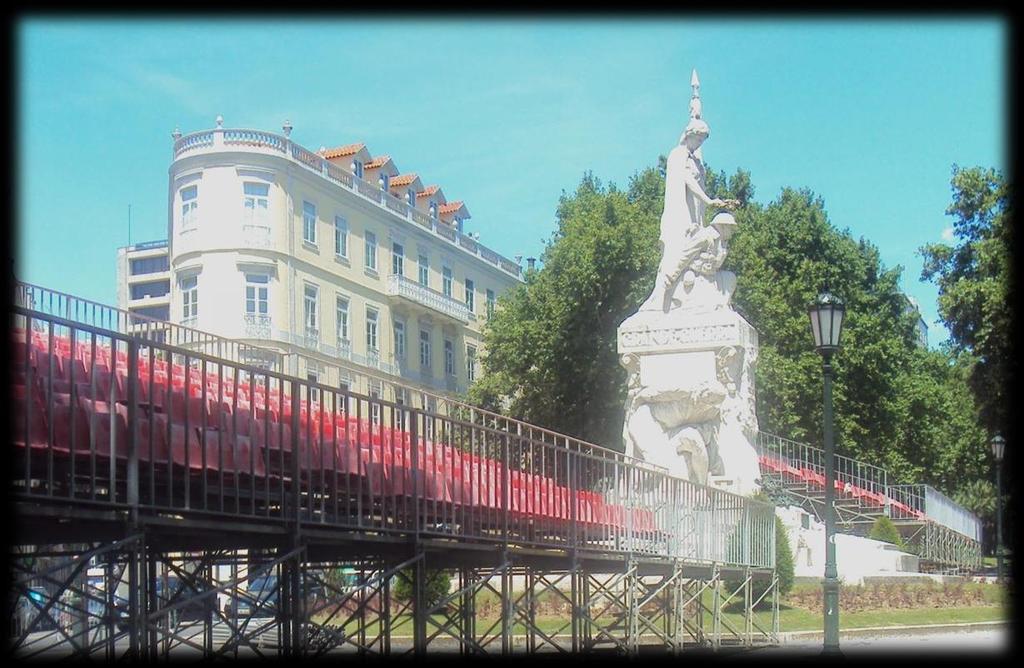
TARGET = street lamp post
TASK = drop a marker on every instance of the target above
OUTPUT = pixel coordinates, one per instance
(826, 324)
(998, 447)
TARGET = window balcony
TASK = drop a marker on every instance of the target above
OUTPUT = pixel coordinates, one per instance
(345, 349)
(312, 338)
(257, 326)
(403, 289)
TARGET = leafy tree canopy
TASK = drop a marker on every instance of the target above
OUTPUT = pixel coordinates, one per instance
(973, 277)
(551, 347)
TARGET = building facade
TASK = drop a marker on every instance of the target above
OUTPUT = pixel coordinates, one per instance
(359, 274)
(144, 280)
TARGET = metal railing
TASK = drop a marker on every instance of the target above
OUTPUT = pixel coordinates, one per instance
(94, 314)
(148, 245)
(105, 418)
(868, 484)
(260, 141)
(86, 312)
(400, 286)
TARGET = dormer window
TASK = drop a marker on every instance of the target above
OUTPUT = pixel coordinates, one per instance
(412, 197)
(433, 209)
(357, 168)
(384, 181)
(458, 225)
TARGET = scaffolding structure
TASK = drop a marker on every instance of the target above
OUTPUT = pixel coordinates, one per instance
(282, 517)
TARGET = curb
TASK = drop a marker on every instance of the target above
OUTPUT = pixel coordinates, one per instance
(890, 631)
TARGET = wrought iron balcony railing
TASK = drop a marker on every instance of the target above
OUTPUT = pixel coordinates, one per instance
(400, 286)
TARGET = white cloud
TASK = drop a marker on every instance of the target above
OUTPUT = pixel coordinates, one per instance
(947, 234)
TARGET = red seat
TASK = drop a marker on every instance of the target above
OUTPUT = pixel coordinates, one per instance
(36, 426)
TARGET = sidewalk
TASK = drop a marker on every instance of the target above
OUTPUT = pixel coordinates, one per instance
(803, 637)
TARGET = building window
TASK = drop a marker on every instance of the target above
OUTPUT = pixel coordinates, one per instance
(490, 303)
(425, 350)
(152, 289)
(371, 330)
(446, 281)
(399, 339)
(433, 209)
(189, 299)
(344, 345)
(155, 312)
(424, 266)
(376, 389)
(189, 207)
(397, 259)
(401, 399)
(309, 222)
(311, 296)
(412, 197)
(340, 236)
(357, 168)
(313, 376)
(371, 250)
(149, 265)
(449, 357)
(257, 289)
(470, 363)
(256, 197)
(385, 182)
(470, 296)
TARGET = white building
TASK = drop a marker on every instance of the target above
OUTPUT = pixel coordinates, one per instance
(144, 280)
(360, 274)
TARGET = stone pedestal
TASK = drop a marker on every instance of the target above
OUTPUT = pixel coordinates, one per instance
(691, 404)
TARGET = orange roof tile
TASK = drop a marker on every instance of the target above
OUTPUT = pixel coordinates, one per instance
(428, 191)
(379, 161)
(341, 151)
(451, 207)
(402, 180)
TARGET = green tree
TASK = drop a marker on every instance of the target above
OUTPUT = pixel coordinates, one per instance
(551, 348)
(973, 277)
(884, 530)
(435, 589)
(551, 356)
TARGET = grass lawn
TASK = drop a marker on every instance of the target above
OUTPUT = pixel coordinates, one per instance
(799, 619)
(790, 619)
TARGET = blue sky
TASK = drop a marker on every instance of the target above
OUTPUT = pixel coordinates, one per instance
(505, 115)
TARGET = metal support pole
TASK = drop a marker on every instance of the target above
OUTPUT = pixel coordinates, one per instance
(999, 521)
(748, 608)
(419, 610)
(716, 611)
(831, 585)
(575, 594)
(506, 605)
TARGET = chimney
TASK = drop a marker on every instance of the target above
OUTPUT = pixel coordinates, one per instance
(530, 262)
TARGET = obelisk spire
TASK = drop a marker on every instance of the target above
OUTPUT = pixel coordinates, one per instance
(695, 104)
(696, 107)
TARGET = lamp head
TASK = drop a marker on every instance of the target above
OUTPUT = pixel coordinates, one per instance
(827, 315)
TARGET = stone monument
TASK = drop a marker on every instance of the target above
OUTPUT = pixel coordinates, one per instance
(689, 354)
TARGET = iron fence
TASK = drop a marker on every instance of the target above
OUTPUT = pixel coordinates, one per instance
(868, 485)
(104, 416)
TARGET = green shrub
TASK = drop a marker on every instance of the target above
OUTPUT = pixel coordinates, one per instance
(434, 590)
(884, 530)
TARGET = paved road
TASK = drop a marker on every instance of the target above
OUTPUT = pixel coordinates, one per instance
(987, 643)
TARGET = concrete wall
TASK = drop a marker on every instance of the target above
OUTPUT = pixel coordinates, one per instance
(857, 558)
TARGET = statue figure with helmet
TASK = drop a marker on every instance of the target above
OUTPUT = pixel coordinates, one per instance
(689, 354)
